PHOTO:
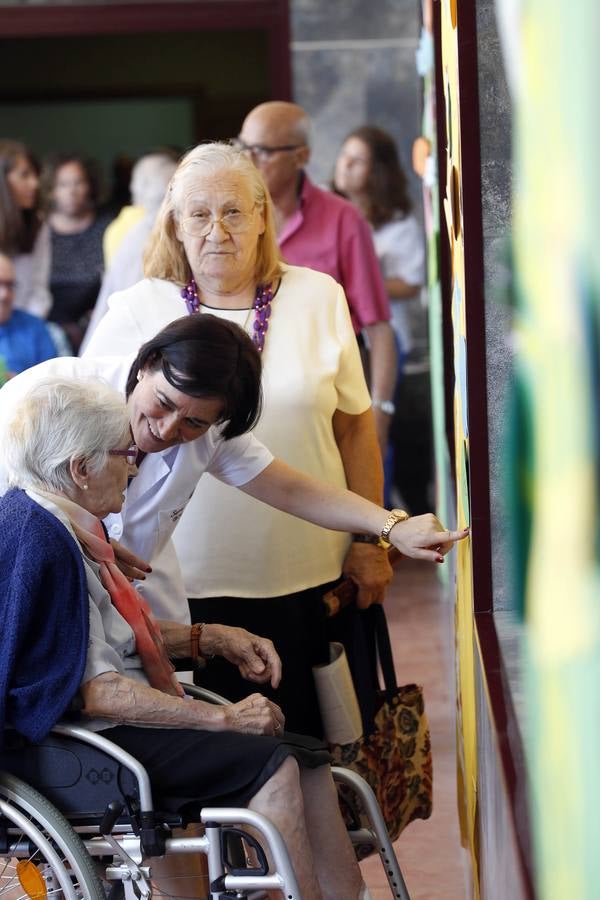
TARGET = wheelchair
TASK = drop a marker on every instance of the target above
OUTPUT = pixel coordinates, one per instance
(77, 822)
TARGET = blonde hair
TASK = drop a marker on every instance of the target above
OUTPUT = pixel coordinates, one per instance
(165, 257)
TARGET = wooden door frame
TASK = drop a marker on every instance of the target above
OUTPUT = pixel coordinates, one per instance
(271, 16)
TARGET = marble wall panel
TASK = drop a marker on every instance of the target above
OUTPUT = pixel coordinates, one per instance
(496, 190)
(499, 379)
(343, 87)
(315, 20)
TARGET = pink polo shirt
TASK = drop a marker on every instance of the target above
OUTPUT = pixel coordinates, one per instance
(328, 234)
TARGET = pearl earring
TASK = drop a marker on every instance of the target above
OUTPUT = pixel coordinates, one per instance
(85, 486)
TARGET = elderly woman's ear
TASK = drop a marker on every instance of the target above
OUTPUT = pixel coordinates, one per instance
(78, 469)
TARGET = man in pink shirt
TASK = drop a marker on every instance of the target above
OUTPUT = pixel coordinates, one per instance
(322, 231)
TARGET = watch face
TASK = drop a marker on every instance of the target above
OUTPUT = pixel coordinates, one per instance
(395, 516)
(386, 406)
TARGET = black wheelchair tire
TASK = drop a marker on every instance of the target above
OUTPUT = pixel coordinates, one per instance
(46, 822)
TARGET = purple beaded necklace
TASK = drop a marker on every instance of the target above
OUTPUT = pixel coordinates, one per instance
(261, 305)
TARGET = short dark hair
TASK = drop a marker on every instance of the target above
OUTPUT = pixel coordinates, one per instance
(204, 356)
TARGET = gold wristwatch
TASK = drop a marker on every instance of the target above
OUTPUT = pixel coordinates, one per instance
(395, 516)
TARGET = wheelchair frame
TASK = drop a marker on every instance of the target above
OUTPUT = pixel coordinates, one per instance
(38, 828)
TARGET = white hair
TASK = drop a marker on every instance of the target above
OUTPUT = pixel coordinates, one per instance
(165, 257)
(59, 420)
(150, 178)
(208, 159)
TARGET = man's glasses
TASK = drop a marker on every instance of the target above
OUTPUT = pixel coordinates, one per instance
(202, 223)
(130, 454)
(260, 151)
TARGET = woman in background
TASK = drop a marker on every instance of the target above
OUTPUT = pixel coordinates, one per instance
(22, 237)
(71, 187)
(368, 172)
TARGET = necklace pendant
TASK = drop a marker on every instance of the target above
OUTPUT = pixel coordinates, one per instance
(190, 294)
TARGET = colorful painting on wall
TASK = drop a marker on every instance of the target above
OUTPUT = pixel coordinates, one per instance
(554, 71)
(449, 219)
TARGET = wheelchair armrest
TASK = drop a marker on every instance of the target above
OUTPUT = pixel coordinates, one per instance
(113, 750)
(200, 693)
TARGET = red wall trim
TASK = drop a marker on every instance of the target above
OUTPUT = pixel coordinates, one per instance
(510, 744)
(444, 245)
(114, 18)
(479, 486)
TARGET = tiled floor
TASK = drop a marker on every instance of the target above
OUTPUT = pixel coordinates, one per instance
(430, 854)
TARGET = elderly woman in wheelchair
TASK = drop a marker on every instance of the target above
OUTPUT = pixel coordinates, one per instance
(74, 630)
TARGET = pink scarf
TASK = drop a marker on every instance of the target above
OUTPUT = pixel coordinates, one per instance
(134, 609)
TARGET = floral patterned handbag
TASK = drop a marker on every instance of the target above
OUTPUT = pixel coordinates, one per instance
(395, 756)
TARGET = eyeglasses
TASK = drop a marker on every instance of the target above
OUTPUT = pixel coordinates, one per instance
(261, 151)
(202, 223)
(130, 454)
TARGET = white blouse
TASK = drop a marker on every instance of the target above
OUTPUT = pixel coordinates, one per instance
(228, 543)
(32, 274)
(400, 249)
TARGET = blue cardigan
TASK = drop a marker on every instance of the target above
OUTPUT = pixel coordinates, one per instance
(44, 617)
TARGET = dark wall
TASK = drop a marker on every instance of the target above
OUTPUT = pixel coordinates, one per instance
(122, 94)
(354, 62)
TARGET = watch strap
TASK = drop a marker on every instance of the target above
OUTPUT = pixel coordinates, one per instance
(369, 539)
(395, 516)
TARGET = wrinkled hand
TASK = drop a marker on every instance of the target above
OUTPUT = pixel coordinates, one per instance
(134, 567)
(254, 715)
(424, 537)
(368, 567)
(255, 657)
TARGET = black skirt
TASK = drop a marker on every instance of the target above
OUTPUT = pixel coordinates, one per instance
(296, 624)
(190, 769)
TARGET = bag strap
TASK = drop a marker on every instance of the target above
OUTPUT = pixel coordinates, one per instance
(384, 649)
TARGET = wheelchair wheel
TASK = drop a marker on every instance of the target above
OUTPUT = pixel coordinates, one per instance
(42, 855)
